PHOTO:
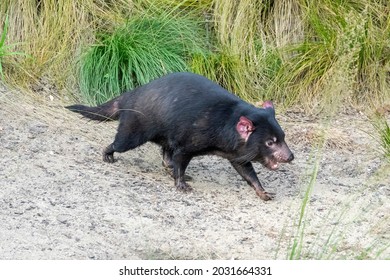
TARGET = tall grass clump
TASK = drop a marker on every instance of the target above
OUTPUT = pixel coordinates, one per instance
(51, 31)
(141, 50)
(284, 23)
(221, 67)
(374, 56)
(6, 49)
(239, 30)
(338, 51)
(291, 51)
(233, 73)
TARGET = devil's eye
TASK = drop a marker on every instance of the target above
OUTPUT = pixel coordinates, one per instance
(271, 142)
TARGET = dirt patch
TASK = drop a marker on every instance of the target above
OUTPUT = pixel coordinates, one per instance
(59, 200)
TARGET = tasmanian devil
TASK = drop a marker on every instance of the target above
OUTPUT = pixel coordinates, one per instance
(189, 115)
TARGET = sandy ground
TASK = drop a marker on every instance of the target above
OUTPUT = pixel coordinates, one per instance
(59, 200)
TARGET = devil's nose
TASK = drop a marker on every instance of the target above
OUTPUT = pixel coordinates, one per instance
(291, 157)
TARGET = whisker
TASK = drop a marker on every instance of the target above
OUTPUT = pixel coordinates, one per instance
(246, 158)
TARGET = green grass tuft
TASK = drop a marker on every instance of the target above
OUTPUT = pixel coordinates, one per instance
(136, 53)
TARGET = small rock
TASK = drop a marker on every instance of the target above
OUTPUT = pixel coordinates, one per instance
(64, 218)
(37, 128)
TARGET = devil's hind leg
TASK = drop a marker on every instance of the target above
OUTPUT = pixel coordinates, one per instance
(129, 136)
(180, 162)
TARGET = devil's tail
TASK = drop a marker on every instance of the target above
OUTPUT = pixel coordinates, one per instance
(105, 112)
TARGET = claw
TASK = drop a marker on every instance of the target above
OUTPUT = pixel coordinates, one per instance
(169, 170)
(184, 187)
(265, 195)
(108, 158)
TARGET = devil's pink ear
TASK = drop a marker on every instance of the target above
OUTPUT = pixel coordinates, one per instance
(268, 104)
(245, 127)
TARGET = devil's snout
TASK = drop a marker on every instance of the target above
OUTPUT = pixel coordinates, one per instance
(286, 154)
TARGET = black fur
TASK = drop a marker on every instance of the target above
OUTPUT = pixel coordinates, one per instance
(189, 115)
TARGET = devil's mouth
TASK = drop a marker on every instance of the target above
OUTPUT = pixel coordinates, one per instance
(272, 164)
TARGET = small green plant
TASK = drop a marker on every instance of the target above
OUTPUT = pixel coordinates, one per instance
(383, 131)
(385, 137)
(6, 50)
(136, 53)
(328, 241)
(298, 240)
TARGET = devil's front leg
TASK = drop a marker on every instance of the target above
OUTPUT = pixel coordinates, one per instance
(248, 173)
